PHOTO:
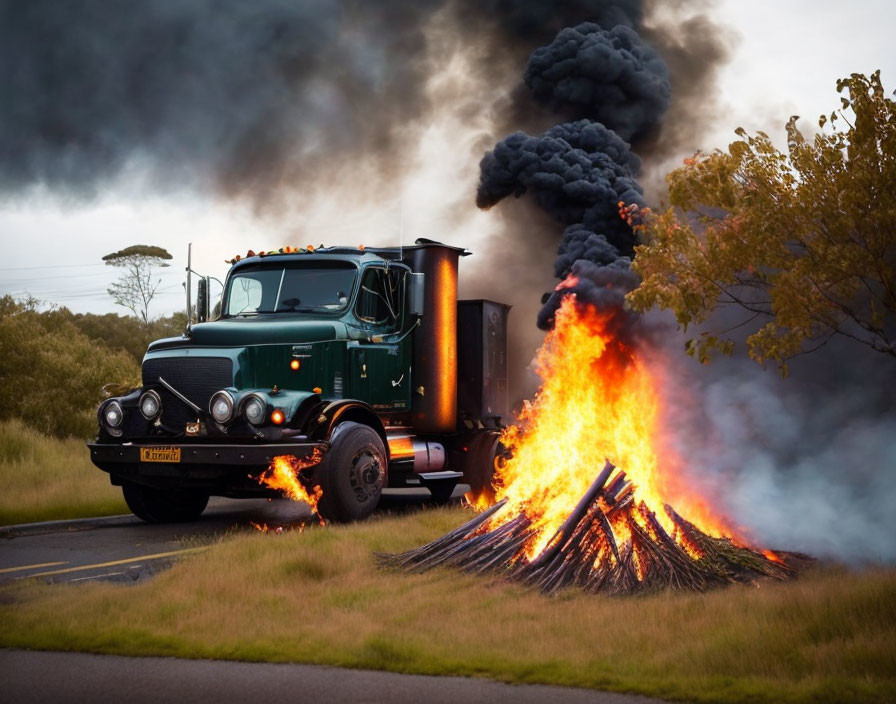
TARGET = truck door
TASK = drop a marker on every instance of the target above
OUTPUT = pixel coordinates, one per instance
(379, 368)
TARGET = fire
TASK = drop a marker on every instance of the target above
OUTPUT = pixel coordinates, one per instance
(283, 475)
(598, 401)
(570, 281)
(769, 555)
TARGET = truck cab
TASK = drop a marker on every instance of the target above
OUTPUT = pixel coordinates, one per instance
(344, 360)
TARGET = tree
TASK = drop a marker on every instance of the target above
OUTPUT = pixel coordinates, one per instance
(802, 244)
(136, 288)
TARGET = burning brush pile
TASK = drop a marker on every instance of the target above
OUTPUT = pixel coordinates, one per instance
(560, 520)
(597, 401)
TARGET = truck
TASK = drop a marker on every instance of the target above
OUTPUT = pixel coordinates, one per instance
(358, 364)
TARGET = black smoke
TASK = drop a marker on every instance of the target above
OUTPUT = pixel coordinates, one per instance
(580, 172)
(577, 172)
(609, 75)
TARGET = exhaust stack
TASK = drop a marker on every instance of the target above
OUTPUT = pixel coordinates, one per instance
(434, 405)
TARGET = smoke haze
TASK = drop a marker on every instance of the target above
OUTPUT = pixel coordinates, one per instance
(803, 463)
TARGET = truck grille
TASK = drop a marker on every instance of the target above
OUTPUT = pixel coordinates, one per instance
(197, 378)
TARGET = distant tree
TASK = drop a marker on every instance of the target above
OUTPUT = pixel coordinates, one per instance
(137, 286)
(802, 242)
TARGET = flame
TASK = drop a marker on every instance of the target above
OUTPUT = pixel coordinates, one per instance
(769, 555)
(283, 475)
(598, 401)
(570, 281)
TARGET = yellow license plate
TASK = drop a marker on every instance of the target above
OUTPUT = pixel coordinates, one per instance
(160, 454)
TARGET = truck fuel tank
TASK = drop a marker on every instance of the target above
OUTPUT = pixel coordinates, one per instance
(426, 456)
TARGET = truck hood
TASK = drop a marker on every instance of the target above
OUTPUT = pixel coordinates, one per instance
(257, 331)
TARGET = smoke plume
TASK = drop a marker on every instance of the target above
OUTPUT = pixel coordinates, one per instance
(580, 172)
(609, 75)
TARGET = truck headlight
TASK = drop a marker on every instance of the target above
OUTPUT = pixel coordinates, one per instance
(113, 416)
(150, 405)
(221, 407)
(254, 409)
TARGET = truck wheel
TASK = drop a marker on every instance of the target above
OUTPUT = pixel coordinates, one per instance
(479, 465)
(164, 505)
(352, 474)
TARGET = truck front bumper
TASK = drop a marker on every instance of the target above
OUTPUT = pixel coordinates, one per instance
(226, 470)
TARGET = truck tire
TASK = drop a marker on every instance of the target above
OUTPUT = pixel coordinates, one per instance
(164, 505)
(352, 474)
(479, 464)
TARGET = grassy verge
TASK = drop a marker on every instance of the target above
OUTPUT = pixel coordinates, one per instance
(318, 597)
(45, 478)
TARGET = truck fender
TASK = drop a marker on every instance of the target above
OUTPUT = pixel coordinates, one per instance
(336, 412)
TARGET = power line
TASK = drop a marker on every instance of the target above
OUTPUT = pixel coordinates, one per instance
(68, 294)
(68, 276)
(55, 266)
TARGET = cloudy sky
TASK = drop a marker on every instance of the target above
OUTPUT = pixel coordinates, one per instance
(785, 59)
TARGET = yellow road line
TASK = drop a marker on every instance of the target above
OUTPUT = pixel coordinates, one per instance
(117, 562)
(31, 567)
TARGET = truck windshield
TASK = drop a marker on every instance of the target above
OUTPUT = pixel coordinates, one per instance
(296, 287)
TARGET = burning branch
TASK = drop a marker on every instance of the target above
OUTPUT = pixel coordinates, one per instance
(609, 543)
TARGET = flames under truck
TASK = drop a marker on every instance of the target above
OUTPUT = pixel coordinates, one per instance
(360, 363)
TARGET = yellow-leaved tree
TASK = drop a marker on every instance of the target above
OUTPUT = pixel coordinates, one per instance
(802, 243)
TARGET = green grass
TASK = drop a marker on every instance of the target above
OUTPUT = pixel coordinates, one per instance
(45, 478)
(318, 597)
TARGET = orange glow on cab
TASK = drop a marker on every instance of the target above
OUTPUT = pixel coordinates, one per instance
(295, 364)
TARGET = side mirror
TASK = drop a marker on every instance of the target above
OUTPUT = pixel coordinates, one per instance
(202, 299)
(415, 294)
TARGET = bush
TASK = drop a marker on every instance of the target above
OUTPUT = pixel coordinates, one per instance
(123, 332)
(52, 372)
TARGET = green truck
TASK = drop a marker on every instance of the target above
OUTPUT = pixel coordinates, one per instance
(359, 363)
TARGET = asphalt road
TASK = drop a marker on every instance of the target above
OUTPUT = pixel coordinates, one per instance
(72, 678)
(124, 548)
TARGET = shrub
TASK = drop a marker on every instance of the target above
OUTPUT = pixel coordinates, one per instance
(52, 372)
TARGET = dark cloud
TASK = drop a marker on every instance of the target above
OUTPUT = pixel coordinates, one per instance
(235, 97)
(212, 92)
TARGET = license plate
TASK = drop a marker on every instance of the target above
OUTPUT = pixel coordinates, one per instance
(160, 454)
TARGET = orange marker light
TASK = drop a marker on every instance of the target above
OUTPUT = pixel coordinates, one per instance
(294, 365)
(277, 416)
(316, 389)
